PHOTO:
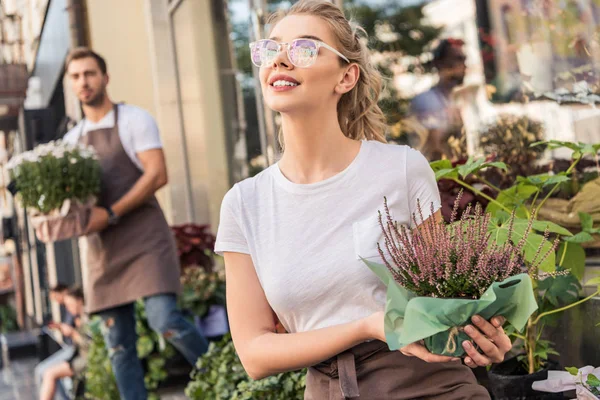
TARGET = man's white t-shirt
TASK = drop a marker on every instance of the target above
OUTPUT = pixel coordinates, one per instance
(306, 240)
(137, 130)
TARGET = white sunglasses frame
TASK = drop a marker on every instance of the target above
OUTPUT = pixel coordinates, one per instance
(317, 43)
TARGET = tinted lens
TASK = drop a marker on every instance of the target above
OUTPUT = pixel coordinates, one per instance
(264, 52)
(303, 52)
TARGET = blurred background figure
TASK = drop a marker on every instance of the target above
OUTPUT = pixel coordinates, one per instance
(58, 294)
(437, 109)
(75, 363)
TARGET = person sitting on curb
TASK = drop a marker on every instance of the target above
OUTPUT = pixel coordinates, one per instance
(75, 365)
(57, 294)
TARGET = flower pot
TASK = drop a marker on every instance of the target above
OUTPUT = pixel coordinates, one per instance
(215, 323)
(70, 221)
(509, 381)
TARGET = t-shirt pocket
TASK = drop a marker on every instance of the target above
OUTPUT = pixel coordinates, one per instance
(367, 233)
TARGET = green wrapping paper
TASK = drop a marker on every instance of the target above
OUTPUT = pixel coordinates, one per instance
(409, 318)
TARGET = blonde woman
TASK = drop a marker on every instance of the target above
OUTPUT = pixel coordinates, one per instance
(292, 235)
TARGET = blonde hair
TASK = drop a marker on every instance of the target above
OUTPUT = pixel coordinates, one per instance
(359, 114)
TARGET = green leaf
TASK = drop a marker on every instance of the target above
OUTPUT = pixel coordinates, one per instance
(532, 243)
(440, 164)
(145, 345)
(543, 180)
(446, 173)
(541, 226)
(475, 165)
(593, 381)
(581, 237)
(587, 222)
(513, 198)
(573, 371)
(593, 282)
(470, 166)
(573, 259)
(559, 290)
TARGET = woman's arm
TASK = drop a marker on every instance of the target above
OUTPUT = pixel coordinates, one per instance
(264, 352)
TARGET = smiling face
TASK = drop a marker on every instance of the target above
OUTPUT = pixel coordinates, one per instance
(287, 88)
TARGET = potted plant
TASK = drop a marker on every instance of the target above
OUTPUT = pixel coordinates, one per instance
(554, 294)
(203, 279)
(57, 183)
(195, 245)
(204, 295)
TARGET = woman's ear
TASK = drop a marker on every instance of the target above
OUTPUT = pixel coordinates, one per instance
(348, 80)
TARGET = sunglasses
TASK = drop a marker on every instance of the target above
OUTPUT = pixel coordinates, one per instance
(302, 53)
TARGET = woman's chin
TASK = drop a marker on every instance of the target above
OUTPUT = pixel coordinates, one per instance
(283, 106)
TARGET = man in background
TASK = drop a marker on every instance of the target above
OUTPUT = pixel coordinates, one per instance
(131, 251)
(437, 109)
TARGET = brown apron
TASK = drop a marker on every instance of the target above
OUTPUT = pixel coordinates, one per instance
(370, 371)
(137, 257)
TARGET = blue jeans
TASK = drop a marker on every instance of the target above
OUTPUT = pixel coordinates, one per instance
(120, 337)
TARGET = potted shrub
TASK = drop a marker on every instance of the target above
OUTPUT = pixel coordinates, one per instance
(202, 279)
(57, 183)
(219, 375)
(204, 296)
(553, 293)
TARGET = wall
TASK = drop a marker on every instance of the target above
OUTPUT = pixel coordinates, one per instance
(118, 32)
(190, 107)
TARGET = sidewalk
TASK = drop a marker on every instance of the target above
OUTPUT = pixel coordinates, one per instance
(17, 381)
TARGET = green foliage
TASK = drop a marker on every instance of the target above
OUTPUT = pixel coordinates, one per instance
(202, 289)
(557, 288)
(533, 241)
(8, 319)
(100, 383)
(221, 376)
(54, 172)
(151, 347)
(509, 140)
(445, 170)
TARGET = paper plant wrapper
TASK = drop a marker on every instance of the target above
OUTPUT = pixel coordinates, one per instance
(68, 222)
(409, 318)
(563, 381)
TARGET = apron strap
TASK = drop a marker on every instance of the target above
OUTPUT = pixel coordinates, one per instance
(347, 375)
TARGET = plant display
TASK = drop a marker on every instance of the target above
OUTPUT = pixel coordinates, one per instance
(100, 383)
(219, 375)
(465, 260)
(202, 289)
(195, 245)
(152, 349)
(509, 140)
(55, 172)
(554, 293)
(57, 182)
(8, 319)
(437, 289)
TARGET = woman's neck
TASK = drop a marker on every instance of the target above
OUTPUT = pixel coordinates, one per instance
(315, 147)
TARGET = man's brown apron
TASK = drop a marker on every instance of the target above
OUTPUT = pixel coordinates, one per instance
(370, 371)
(137, 257)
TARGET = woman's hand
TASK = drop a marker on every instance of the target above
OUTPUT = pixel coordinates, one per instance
(375, 330)
(490, 338)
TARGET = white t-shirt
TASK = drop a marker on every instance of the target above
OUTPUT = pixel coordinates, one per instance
(137, 130)
(305, 240)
